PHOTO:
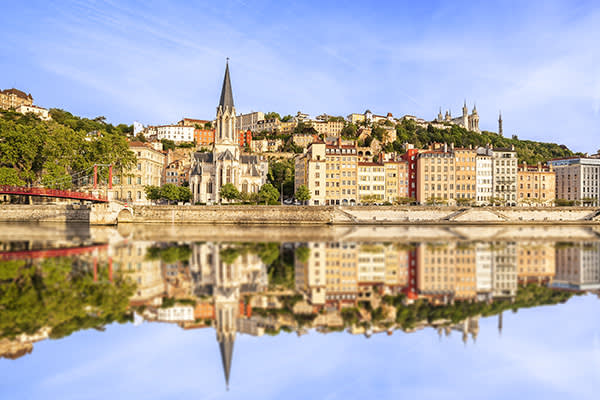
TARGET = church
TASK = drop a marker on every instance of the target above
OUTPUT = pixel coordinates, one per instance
(225, 163)
(466, 120)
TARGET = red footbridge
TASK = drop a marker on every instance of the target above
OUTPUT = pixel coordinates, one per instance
(43, 192)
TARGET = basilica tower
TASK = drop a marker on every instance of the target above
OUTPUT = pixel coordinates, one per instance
(465, 115)
(500, 124)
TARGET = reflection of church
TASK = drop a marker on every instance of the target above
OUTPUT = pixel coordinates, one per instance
(225, 163)
(224, 281)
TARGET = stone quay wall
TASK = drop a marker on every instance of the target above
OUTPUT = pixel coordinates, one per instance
(110, 214)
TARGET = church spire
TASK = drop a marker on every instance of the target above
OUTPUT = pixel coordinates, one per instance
(226, 93)
(226, 348)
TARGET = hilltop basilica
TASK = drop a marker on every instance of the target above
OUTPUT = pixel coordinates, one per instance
(468, 121)
(225, 163)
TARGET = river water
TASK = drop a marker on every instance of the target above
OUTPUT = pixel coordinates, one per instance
(174, 312)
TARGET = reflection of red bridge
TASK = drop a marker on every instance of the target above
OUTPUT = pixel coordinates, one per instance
(42, 192)
(63, 252)
(50, 253)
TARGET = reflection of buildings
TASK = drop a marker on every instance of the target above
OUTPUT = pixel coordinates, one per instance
(535, 262)
(577, 266)
(504, 273)
(338, 273)
(131, 258)
(470, 326)
(226, 278)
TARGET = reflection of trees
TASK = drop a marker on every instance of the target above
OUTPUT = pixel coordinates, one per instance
(527, 296)
(169, 254)
(52, 293)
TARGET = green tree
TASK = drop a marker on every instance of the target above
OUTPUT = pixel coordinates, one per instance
(10, 177)
(303, 253)
(282, 172)
(168, 144)
(229, 192)
(349, 131)
(268, 194)
(184, 193)
(152, 192)
(169, 192)
(302, 194)
(272, 115)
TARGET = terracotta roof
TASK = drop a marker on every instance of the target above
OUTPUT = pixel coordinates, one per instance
(17, 93)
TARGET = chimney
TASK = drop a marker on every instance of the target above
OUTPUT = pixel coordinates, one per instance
(445, 147)
(524, 165)
(539, 165)
(452, 146)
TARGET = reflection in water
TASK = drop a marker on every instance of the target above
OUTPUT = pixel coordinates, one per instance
(50, 289)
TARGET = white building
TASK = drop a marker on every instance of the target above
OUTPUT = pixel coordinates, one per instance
(176, 314)
(483, 269)
(42, 113)
(137, 128)
(176, 133)
(484, 187)
(504, 174)
(577, 178)
(578, 266)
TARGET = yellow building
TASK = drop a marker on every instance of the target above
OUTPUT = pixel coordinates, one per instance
(132, 260)
(371, 182)
(536, 262)
(148, 171)
(465, 175)
(328, 128)
(355, 118)
(446, 272)
(536, 185)
(435, 177)
(13, 98)
(396, 180)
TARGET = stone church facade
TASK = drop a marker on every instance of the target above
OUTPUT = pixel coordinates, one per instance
(226, 163)
(467, 121)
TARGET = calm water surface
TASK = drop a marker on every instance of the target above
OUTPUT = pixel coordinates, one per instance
(172, 312)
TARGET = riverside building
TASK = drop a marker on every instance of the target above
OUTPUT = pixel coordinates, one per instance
(577, 179)
(535, 185)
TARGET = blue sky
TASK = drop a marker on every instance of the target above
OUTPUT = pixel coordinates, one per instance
(547, 352)
(156, 61)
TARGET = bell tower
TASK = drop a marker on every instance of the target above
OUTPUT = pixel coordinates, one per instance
(226, 133)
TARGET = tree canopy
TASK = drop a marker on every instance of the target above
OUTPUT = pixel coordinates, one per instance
(268, 194)
(56, 153)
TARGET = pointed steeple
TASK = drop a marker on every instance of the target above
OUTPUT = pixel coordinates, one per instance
(226, 93)
(226, 348)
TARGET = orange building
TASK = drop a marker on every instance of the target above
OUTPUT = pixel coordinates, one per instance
(206, 137)
(536, 185)
(465, 175)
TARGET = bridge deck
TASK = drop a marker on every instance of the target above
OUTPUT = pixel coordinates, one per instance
(43, 192)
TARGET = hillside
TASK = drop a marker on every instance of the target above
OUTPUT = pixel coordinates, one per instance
(529, 151)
